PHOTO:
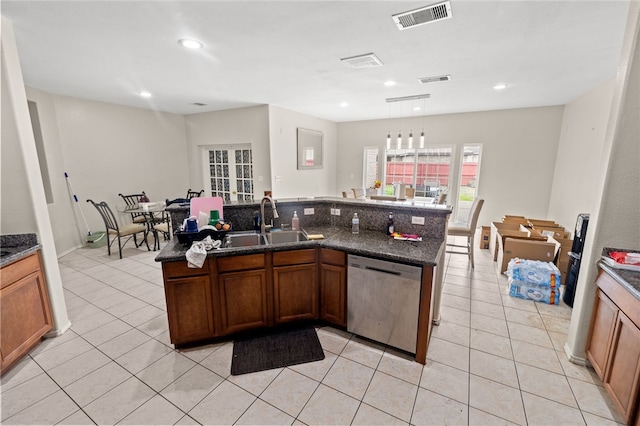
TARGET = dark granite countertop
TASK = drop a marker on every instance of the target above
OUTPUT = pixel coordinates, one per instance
(14, 247)
(366, 243)
(628, 279)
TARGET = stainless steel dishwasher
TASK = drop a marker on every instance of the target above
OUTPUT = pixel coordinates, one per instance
(383, 301)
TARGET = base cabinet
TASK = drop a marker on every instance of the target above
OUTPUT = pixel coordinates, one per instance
(333, 287)
(243, 291)
(189, 302)
(613, 347)
(243, 297)
(623, 369)
(603, 324)
(295, 286)
(190, 312)
(25, 312)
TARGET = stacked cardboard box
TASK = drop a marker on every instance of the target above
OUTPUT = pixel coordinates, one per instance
(534, 239)
(484, 237)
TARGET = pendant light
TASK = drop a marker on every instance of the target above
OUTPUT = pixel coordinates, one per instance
(399, 143)
(410, 142)
(424, 103)
(388, 140)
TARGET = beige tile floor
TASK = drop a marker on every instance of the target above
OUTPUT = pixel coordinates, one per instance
(492, 360)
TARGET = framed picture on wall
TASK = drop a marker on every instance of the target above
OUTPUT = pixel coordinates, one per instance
(309, 149)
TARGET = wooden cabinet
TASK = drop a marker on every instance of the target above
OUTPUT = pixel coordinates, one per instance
(243, 291)
(25, 314)
(295, 286)
(613, 347)
(603, 323)
(189, 302)
(333, 287)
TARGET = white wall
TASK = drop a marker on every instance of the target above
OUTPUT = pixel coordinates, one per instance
(107, 149)
(286, 180)
(234, 126)
(518, 153)
(61, 209)
(579, 155)
(16, 209)
(615, 221)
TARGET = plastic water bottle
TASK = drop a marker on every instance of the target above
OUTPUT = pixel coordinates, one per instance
(355, 224)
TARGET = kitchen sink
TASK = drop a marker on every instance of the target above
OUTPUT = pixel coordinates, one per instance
(286, 237)
(244, 239)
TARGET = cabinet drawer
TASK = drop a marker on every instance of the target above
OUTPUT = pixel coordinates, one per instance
(23, 267)
(180, 269)
(240, 263)
(333, 257)
(294, 257)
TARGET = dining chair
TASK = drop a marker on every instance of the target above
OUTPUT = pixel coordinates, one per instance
(467, 229)
(194, 194)
(358, 192)
(133, 200)
(410, 193)
(138, 217)
(118, 232)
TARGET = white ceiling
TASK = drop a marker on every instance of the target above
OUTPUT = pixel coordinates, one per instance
(287, 53)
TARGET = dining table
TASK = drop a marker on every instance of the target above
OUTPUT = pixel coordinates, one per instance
(153, 214)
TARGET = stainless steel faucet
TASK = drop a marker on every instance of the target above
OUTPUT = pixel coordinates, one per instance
(263, 227)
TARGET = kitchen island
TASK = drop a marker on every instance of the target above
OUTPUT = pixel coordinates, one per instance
(245, 288)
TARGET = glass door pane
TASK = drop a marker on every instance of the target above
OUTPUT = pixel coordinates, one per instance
(229, 172)
(433, 170)
(370, 166)
(469, 174)
(400, 167)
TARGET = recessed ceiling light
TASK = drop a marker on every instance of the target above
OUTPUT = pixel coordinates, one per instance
(144, 94)
(344, 104)
(417, 108)
(390, 83)
(191, 44)
(500, 86)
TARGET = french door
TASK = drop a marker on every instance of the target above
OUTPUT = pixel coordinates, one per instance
(228, 171)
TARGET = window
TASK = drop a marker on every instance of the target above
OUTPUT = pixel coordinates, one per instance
(425, 169)
(229, 172)
(370, 166)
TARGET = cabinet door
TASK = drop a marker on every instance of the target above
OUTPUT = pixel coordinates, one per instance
(602, 326)
(25, 316)
(189, 309)
(333, 294)
(243, 300)
(295, 292)
(623, 367)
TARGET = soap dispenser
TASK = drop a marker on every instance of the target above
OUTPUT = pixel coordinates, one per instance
(295, 221)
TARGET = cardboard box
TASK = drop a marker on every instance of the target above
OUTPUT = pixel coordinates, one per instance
(493, 235)
(542, 222)
(485, 233)
(531, 248)
(563, 257)
(553, 231)
(520, 220)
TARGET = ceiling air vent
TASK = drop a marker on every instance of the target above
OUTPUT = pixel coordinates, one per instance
(423, 15)
(425, 80)
(368, 60)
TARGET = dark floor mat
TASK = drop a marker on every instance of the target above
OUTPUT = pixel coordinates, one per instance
(269, 350)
